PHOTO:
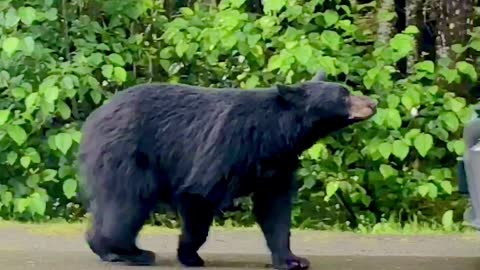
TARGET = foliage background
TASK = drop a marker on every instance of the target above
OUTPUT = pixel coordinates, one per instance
(61, 59)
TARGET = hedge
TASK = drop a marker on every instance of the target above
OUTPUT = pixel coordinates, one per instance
(59, 60)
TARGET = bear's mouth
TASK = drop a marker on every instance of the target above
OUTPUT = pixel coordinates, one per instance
(361, 108)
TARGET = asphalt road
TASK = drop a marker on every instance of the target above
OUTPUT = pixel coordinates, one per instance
(23, 249)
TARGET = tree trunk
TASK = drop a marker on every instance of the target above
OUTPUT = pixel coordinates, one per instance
(413, 16)
(385, 20)
(455, 19)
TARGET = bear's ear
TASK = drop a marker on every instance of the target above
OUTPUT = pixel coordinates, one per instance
(290, 94)
(320, 76)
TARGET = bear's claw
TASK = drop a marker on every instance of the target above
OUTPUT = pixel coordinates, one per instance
(293, 263)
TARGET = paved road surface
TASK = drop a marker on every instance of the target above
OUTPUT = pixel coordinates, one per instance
(22, 249)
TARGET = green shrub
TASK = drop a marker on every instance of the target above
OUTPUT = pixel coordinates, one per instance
(59, 61)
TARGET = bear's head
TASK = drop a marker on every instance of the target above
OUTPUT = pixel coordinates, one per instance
(322, 103)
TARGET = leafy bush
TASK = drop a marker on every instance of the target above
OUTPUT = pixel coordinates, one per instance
(59, 61)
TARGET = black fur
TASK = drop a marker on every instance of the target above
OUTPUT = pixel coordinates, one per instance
(197, 149)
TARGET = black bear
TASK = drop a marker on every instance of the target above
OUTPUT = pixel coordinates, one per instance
(197, 149)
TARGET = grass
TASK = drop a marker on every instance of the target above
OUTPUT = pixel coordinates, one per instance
(76, 229)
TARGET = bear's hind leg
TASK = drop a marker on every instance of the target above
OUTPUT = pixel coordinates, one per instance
(197, 216)
(113, 238)
(124, 195)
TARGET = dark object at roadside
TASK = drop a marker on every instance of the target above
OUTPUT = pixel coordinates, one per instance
(468, 171)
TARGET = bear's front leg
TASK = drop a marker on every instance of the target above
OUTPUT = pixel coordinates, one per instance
(272, 210)
(197, 216)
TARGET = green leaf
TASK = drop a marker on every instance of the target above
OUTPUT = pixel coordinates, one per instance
(414, 95)
(387, 171)
(433, 191)
(107, 71)
(192, 50)
(327, 63)
(332, 187)
(309, 182)
(25, 161)
(412, 134)
(393, 101)
(331, 39)
(411, 29)
(64, 110)
(450, 120)
(449, 74)
(6, 197)
(12, 157)
(116, 59)
(303, 53)
(67, 82)
(33, 180)
(4, 114)
(51, 94)
(273, 5)
(379, 117)
(119, 74)
(11, 18)
(400, 149)
(96, 96)
(181, 48)
(475, 44)
(455, 104)
(427, 66)
(69, 188)
(458, 48)
(252, 82)
(21, 205)
(10, 45)
(51, 142)
(51, 14)
(447, 220)
(17, 133)
(403, 44)
(370, 78)
(330, 17)
(407, 102)
(33, 155)
(63, 141)
(447, 186)
(467, 69)
(253, 40)
(459, 147)
(28, 45)
(31, 100)
(423, 143)
(385, 149)
(95, 59)
(166, 53)
(18, 92)
(237, 3)
(94, 84)
(37, 205)
(423, 190)
(393, 118)
(275, 62)
(48, 175)
(316, 150)
(27, 15)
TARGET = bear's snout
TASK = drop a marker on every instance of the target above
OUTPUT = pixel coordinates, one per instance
(361, 108)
